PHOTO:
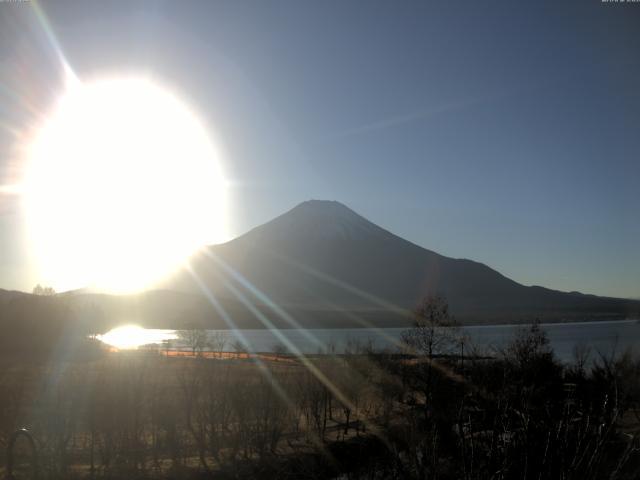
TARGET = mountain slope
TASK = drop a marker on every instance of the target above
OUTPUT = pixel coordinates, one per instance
(326, 263)
(319, 265)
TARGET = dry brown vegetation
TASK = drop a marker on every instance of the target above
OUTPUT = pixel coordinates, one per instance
(432, 411)
(138, 414)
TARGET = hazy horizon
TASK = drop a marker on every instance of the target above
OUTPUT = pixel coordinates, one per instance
(320, 204)
(501, 133)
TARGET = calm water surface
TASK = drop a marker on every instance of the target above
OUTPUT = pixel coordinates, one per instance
(600, 336)
(603, 337)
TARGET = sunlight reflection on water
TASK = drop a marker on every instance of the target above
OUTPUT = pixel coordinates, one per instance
(133, 336)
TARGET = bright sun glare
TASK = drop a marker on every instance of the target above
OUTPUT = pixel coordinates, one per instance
(132, 336)
(122, 184)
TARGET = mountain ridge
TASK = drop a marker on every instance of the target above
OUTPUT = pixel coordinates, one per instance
(321, 253)
(319, 265)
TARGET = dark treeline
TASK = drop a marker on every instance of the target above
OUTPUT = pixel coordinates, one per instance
(434, 410)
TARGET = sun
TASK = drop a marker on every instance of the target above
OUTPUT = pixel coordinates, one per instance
(122, 184)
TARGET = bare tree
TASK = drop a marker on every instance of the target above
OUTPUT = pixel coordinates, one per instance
(43, 291)
(434, 330)
(529, 346)
(218, 341)
(196, 339)
(434, 333)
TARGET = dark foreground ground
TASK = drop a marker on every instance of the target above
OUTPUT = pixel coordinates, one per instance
(362, 414)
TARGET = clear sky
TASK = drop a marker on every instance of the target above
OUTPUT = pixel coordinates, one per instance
(505, 132)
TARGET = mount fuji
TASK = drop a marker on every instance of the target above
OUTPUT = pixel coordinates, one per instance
(328, 266)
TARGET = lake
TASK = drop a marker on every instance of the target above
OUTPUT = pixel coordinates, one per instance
(602, 337)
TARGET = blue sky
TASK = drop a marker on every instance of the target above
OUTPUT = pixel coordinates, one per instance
(505, 132)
